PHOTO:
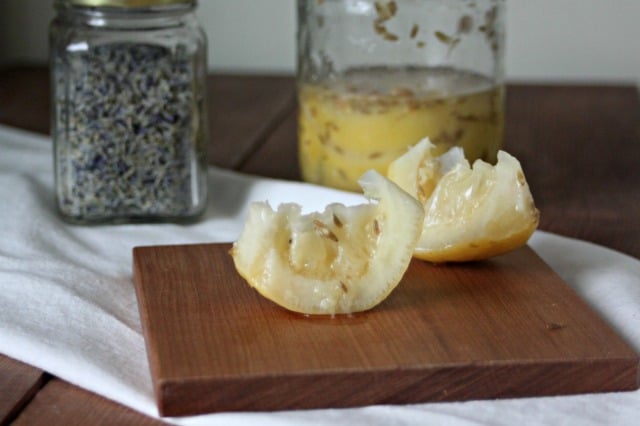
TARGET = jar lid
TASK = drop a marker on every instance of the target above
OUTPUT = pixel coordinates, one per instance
(127, 3)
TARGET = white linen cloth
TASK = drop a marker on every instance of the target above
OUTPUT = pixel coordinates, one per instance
(68, 305)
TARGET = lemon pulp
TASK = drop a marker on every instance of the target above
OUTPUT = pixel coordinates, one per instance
(471, 212)
(367, 117)
(342, 260)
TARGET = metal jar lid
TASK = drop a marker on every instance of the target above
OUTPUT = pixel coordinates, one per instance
(127, 3)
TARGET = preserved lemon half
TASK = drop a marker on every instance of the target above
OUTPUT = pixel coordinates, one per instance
(471, 213)
(341, 260)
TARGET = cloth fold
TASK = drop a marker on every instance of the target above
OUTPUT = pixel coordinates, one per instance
(68, 305)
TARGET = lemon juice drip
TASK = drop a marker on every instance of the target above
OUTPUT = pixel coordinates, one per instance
(367, 117)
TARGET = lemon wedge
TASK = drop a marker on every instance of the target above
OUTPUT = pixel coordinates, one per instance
(342, 260)
(471, 212)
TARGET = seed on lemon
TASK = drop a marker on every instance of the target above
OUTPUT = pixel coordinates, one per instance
(471, 213)
(341, 260)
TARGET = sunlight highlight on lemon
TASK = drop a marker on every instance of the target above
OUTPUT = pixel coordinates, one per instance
(345, 259)
(471, 212)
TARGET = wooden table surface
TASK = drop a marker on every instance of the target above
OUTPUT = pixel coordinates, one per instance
(579, 146)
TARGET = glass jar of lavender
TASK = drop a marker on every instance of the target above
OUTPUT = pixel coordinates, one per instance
(128, 111)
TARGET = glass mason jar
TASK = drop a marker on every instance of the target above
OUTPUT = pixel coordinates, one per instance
(128, 110)
(375, 77)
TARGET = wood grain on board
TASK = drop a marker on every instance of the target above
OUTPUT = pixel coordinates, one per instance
(503, 328)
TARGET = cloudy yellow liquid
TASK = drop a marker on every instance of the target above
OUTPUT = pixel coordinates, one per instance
(369, 117)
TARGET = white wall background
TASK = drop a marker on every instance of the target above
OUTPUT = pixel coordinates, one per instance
(584, 40)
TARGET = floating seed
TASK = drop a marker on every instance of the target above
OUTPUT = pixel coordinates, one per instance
(446, 39)
(390, 37)
(379, 8)
(465, 24)
(393, 8)
(414, 31)
(386, 11)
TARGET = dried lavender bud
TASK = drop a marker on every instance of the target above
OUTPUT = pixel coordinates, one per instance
(132, 141)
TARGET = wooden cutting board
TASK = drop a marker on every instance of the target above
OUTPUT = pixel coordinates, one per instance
(508, 327)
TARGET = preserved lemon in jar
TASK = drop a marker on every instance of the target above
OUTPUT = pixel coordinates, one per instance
(375, 79)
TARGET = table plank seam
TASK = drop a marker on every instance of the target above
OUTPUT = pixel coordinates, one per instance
(26, 399)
